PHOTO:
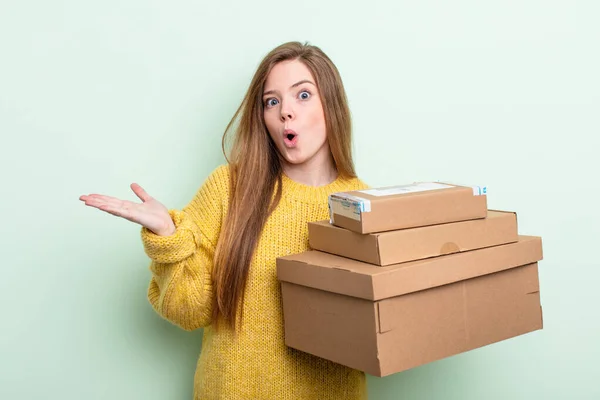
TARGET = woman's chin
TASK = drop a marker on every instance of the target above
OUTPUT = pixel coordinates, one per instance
(295, 159)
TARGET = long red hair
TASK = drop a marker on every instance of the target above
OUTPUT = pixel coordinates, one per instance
(255, 170)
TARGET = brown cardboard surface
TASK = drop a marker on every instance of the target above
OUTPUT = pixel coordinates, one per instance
(354, 278)
(398, 246)
(402, 332)
(363, 212)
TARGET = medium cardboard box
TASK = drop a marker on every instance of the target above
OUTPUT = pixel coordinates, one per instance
(406, 206)
(410, 244)
(383, 320)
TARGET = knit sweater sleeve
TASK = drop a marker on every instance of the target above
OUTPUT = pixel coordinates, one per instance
(180, 289)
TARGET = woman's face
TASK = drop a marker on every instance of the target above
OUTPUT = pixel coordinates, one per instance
(294, 116)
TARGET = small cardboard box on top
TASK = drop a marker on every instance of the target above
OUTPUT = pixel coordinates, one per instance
(406, 206)
(402, 245)
(383, 320)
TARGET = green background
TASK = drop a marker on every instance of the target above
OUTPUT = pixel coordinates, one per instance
(96, 95)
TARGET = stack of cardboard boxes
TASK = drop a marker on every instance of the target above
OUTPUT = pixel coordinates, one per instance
(402, 276)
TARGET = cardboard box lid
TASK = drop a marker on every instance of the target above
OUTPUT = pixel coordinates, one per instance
(342, 275)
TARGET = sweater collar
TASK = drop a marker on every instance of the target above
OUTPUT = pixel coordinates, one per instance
(313, 194)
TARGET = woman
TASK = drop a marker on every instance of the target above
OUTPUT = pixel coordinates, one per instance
(213, 263)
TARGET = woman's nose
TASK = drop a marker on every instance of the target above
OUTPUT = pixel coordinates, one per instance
(286, 113)
(286, 116)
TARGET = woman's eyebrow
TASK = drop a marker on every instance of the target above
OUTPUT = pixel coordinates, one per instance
(291, 87)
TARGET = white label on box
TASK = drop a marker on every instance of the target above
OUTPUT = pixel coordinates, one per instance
(402, 189)
(348, 206)
(479, 190)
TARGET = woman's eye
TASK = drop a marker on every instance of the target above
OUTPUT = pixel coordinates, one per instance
(271, 102)
(304, 95)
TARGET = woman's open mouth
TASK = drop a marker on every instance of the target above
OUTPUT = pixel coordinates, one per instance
(290, 138)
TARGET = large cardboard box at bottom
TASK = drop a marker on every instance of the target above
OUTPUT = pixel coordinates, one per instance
(384, 320)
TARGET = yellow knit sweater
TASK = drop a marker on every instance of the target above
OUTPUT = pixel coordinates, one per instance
(256, 364)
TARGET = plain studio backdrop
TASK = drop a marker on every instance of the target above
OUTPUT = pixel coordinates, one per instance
(96, 95)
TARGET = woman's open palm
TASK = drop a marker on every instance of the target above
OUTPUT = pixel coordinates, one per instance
(150, 213)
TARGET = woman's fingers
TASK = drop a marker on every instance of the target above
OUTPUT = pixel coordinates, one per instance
(112, 205)
(93, 201)
(111, 210)
(140, 192)
(97, 200)
(123, 209)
